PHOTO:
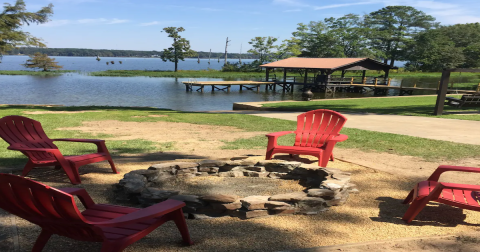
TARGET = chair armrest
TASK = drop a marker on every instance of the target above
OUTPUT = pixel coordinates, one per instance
(460, 186)
(101, 147)
(79, 140)
(81, 193)
(281, 133)
(156, 210)
(444, 168)
(339, 138)
(19, 148)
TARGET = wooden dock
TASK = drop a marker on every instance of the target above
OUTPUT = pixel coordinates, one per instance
(337, 86)
(225, 85)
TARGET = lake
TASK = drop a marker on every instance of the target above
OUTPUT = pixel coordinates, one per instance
(90, 64)
(80, 89)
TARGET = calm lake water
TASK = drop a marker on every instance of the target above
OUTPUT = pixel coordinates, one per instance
(90, 64)
(79, 89)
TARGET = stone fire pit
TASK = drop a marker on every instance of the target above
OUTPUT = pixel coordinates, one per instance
(315, 189)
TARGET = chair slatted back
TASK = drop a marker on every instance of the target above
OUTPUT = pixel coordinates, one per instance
(47, 207)
(315, 127)
(25, 132)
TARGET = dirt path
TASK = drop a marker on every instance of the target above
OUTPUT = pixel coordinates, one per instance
(373, 214)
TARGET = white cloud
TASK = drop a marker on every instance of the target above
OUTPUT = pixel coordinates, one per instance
(56, 23)
(341, 5)
(102, 21)
(150, 23)
(209, 9)
(292, 10)
(295, 3)
(91, 20)
(446, 13)
(118, 21)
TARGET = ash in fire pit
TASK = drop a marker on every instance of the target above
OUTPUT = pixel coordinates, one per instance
(239, 188)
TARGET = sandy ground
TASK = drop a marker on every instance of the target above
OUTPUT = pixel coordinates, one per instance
(371, 215)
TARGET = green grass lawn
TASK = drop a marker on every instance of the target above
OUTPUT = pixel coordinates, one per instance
(360, 139)
(409, 105)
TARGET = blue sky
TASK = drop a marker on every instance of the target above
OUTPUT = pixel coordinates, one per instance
(137, 24)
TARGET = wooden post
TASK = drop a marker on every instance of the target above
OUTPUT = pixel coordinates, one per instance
(305, 77)
(343, 74)
(201, 88)
(241, 87)
(258, 87)
(213, 88)
(364, 80)
(478, 87)
(284, 76)
(364, 73)
(228, 88)
(351, 82)
(376, 81)
(267, 72)
(389, 81)
(442, 92)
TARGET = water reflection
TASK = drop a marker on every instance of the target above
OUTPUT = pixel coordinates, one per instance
(75, 89)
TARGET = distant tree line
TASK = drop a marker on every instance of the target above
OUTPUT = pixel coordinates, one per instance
(80, 52)
(393, 33)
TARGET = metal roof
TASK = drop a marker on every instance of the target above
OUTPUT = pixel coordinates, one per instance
(329, 64)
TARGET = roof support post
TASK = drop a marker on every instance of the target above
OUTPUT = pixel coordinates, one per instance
(305, 77)
(329, 76)
(387, 71)
(442, 92)
(343, 74)
(364, 73)
(284, 76)
(267, 73)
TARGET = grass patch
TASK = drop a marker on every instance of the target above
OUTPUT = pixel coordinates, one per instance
(360, 139)
(35, 73)
(412, 106)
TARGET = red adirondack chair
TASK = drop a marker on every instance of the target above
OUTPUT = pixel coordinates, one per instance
(27, 135)
(458, 195)
(316, 135)
(55, 211)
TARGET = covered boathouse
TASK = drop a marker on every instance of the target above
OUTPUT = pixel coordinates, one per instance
(317, 72)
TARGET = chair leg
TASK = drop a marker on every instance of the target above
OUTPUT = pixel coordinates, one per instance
(72, 173)
(28, 167)
(179, 220)
(41, 241)
(322, 162)
(409, 198)
(414, 209)
(112, 247)
(112, 165)
(269, 155)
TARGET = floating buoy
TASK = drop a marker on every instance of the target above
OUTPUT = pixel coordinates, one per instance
(120, 61)
(113, 62)
(107, 62)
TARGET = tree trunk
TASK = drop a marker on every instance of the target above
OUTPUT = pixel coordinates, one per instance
(392, 62)
(385, 61)
(175, 53)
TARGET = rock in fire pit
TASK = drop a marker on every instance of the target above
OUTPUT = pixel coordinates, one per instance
(315, 189)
